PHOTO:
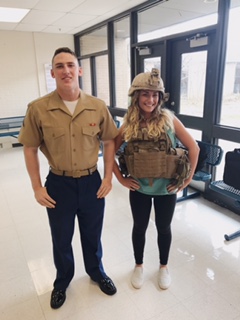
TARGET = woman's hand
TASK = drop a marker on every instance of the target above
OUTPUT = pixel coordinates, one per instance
(172, 188)
(130, 183)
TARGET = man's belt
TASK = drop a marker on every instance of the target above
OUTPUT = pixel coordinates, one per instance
(74, 174)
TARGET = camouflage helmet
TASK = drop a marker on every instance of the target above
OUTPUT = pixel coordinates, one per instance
(148, 81)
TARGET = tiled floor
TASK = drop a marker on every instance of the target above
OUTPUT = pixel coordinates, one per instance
(205, 269)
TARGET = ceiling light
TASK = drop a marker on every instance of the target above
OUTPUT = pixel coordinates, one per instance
(12, 14)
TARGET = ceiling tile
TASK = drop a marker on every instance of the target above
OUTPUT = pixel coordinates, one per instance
(90, 7)
(30, 27)
(74, 20)
(42, 17)
(27, 4)
(7, 26)
(58, 5)
(56, 29)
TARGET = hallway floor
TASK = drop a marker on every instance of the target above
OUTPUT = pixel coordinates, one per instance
(205, 269)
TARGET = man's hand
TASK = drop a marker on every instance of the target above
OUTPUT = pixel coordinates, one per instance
(43, 198)
(105, 188)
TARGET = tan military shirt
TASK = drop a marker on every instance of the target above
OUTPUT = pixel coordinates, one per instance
(69, 142)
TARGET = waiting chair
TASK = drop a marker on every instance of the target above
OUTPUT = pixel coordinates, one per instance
(228, 192)
(213, 154)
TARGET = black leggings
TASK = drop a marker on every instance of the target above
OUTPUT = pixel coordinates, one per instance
(141, 205)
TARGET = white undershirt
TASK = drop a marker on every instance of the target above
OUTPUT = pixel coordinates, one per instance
(71, 105)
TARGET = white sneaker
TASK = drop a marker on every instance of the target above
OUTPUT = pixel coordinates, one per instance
(137, 277)
(164, 278)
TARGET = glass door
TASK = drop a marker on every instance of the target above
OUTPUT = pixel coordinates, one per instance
(185, 65)
(151, 57)
(188, 71)
(190, 82)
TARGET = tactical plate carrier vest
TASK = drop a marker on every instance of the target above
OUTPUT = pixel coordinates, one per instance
(156, 158)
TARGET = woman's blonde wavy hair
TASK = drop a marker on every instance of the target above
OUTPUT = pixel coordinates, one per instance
(160, 121)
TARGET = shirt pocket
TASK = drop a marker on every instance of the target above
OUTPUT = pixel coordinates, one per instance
(90, 137)
(55, 139)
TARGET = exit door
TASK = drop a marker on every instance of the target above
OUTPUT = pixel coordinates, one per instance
(185, 65)
(151, 57)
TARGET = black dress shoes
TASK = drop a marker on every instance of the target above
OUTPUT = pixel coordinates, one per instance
(107, 286)
(58, 298)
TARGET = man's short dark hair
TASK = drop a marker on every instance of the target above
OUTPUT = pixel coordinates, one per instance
(65, 50)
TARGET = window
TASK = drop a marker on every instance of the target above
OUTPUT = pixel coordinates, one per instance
(94, 42)
(161, 20)
(86, 78)
(150, 63)
(122, 61)
(230, 115)
(193, 78)
(102, 78)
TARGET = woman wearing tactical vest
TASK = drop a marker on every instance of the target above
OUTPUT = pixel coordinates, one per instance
(157, 170)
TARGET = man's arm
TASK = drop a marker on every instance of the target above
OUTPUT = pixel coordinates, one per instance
(108, 158)
(33, 168)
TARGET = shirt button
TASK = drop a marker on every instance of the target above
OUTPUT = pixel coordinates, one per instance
(74, 150)
(73, 135)
(75, 164)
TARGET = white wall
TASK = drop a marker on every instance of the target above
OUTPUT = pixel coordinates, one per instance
(22, 59)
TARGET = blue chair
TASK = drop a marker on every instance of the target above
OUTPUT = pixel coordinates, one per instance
(214, 155)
